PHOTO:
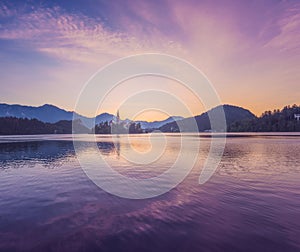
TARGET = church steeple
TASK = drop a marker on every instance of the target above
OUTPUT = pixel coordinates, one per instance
(118, 117)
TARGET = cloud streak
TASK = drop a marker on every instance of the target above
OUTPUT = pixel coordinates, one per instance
(75, 37)
(288, 37)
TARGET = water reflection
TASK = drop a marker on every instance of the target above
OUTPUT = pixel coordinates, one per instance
(47, 153)
(29, 153)
(252, 199)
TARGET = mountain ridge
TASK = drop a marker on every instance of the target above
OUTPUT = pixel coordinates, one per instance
(49, 113)
(238, 119)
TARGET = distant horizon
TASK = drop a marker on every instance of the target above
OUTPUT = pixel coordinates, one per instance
(138, 119)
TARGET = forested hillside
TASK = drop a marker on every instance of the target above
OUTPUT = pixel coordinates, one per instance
(270, 121)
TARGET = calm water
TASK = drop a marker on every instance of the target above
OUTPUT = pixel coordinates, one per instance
(252, 202)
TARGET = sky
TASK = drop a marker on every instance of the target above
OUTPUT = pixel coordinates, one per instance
(249, 51)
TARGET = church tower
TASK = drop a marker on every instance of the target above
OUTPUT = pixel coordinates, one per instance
(118, 117)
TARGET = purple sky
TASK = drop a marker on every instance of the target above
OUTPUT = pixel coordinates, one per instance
(249, 50)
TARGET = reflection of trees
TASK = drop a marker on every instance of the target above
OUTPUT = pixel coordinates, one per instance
(43, 152)
(109, 148)
(47, 153)
(106, 148)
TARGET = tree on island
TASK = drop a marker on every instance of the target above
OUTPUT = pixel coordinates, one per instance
(120, 128)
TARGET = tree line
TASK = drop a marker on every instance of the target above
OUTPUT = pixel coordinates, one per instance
(25, 126)
(270, 121)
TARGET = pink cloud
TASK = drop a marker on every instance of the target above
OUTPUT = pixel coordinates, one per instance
(241, 46)
(76, 37)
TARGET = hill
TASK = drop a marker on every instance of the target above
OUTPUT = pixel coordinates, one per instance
(232, 114)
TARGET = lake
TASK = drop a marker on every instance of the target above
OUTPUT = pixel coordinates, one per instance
(251, 203)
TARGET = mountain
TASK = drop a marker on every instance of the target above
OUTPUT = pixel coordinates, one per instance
(158, 124)
(46, 113)
(232, 114)
(104, 117)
